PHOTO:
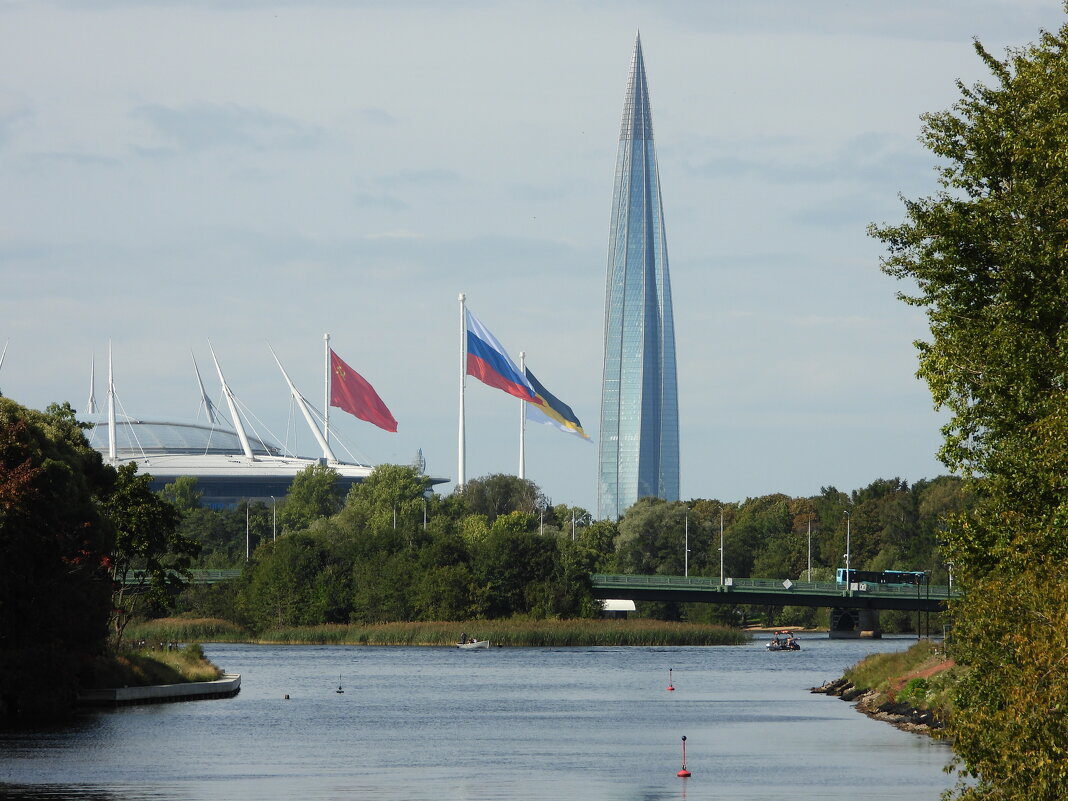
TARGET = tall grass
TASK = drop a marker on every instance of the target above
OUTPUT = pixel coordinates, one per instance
(511, 632)
(180, 629)
(878, 671)
(140, 668)
(514, 632)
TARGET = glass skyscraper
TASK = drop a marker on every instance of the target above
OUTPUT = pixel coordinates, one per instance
(639, 437)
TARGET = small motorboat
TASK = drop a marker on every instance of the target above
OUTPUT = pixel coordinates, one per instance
(472, 645)
(784, 641)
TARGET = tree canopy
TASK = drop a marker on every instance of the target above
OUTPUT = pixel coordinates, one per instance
(55, 592)
(987, 255)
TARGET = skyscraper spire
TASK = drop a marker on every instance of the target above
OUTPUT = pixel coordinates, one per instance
(639, 442)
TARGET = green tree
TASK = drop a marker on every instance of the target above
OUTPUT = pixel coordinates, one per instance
(987, 255)
(651, 537)
(183, 493)
(314, 493)
(55, 592)
(150, 559)
(393, 496)
(500, 494)
(281, 589)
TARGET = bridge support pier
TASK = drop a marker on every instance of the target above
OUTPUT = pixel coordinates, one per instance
(848, 624)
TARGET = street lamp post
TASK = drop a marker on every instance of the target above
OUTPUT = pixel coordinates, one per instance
(848, 517)
(686, 554)
(810, 550)
(950, 566)
(274, 520)
(721, 548)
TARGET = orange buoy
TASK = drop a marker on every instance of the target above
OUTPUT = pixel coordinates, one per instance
(671, 687)
(683, 774)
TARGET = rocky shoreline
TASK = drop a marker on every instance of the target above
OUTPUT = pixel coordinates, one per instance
(903, 716)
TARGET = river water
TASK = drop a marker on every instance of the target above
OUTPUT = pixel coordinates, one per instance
(515, 724)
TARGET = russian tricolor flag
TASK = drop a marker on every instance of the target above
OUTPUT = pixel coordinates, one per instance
(488, 361)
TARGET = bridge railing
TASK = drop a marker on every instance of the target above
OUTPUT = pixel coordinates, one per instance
(198, 576)
(712, 584)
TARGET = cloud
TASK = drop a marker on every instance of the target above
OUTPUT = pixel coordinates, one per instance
(377, 116)
(208, 126)
(866, 158)
(395, 235)
(381, 201)
(75, 159)
(905, 19)
(14, 109)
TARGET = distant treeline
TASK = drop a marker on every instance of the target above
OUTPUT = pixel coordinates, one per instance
(390, 551)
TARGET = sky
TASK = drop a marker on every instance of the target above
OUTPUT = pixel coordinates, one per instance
(248, 172)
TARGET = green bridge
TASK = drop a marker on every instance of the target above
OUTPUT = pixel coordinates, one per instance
(198, 576)
(772, 592)
(854, 609)
(748, 591)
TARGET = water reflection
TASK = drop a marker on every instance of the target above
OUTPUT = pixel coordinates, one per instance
(509, 724)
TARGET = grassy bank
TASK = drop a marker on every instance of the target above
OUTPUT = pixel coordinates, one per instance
(532, 633)
(142, 668)
(922, 677)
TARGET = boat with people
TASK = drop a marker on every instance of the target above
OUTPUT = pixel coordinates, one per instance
(784, 641)
(473, 645)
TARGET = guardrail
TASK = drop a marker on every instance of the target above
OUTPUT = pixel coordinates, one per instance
(785, 587)
(198, 576)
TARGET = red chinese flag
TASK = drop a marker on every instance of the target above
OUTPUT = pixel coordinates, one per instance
(351, 393)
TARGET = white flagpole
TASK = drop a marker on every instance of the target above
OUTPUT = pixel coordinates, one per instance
(460, 476)
(522, 421)
(111, 408)
(326, 390)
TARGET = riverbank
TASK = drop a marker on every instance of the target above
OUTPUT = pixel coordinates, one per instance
(147, 666)
(511, 632)
(226, 686)
(911, 690)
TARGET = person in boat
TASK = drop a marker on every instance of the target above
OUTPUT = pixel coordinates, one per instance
(463, 637)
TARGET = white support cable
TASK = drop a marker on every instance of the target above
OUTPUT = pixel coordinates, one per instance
(303, 404)
(232, 405)
(125, 418)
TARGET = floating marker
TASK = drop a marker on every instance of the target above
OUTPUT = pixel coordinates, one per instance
(683, 774)
(339, 690)
(671, 687)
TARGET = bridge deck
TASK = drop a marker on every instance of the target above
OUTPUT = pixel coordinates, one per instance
(199, 576)
(773, 592)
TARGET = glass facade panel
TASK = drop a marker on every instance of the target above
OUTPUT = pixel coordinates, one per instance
(639, 437)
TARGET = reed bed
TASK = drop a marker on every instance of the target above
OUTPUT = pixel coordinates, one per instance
(180, 629)
(528, 633)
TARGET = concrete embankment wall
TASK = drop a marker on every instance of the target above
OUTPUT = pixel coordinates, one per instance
(226, 687)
